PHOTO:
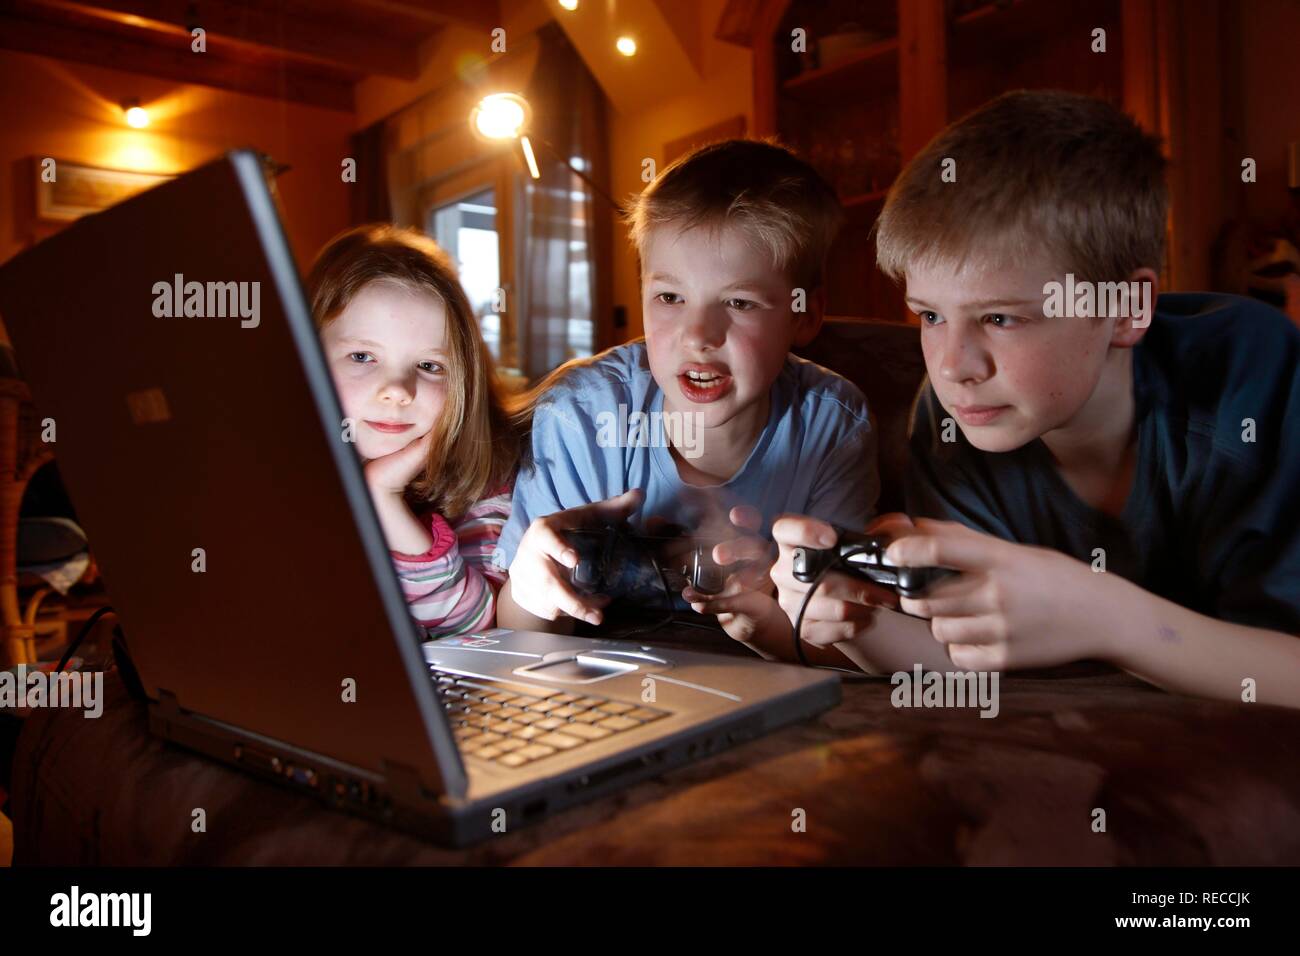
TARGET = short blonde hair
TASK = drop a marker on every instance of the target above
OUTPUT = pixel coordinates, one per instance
(762, 188)
(1033, 169)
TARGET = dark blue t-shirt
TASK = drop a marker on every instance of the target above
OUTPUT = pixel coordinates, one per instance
(1212, 520)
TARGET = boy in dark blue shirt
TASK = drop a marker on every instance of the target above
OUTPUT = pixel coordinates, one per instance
(1115, 476)
(1212, 509)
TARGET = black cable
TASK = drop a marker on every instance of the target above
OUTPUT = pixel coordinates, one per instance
(81, 635)
(125, 666)
(668, 596)
(671, 616)
(840, 562)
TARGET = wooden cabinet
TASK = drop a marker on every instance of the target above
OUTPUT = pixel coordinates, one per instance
(869, 82)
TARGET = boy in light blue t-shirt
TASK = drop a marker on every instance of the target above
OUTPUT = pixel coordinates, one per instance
(709, 423)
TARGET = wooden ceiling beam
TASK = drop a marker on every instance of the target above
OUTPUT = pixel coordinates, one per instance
(268, 79)
(272, 27)
(482, 15)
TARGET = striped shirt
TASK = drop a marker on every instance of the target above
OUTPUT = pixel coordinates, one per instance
(452, 588)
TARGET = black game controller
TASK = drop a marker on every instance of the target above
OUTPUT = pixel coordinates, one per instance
(617, 562)
(863, 555)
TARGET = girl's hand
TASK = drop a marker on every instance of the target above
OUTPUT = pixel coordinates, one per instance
(391, 473)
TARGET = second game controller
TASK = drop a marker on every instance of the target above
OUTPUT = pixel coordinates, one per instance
(863, 555)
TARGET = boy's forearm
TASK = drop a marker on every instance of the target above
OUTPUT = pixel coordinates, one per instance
(1189, 653)
(893, 642)
(896, 642)
(780, 647)
(511, 615)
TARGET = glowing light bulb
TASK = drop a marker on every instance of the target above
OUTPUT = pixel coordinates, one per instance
(626, 46)
(137, 117)
(500, 116)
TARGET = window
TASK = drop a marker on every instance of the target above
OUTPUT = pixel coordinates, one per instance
(467, 230)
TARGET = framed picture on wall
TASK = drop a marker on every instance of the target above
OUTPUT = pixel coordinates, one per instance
(66, 190)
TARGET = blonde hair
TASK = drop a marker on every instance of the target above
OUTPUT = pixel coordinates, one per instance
(1033, 169)
(761, 187)
(474, 447)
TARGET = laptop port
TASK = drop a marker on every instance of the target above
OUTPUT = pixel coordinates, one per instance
(301, 775)
(257, 759)
(609, 773)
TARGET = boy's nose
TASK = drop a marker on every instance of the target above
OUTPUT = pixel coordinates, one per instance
(705, 329)
(963, 359)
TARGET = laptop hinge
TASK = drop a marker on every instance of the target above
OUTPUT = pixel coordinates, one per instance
(164, 712)
(167, 705)
(404, 783)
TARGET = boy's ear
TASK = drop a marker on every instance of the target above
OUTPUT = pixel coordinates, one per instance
(1132, 327)
(809, 322)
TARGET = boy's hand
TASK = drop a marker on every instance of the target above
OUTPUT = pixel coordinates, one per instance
(539, 574)
(751, 617)
(745, 607)
(753, 554)
(844, 605)
(391, 473)
(1013, 605)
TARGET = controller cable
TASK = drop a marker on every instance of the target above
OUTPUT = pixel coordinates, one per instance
(844, 672)
(671, 616)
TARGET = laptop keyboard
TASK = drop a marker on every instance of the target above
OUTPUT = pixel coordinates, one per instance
(513, 725)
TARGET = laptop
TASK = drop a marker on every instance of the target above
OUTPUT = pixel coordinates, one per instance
(198, 432)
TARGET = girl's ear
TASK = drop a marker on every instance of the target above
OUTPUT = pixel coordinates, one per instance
(809, 322)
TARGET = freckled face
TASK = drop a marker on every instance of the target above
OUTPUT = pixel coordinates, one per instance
(1006, 372)
(387, 356)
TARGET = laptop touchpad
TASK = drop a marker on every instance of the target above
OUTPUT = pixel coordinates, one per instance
(578, 669)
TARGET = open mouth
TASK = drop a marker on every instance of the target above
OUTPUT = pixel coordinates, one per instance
(704, 385)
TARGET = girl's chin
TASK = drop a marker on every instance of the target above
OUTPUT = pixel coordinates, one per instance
(371, 449)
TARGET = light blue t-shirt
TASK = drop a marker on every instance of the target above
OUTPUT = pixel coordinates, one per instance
(601, 431)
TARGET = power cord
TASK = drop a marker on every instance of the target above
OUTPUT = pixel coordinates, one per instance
(81, 635)
(121, 656)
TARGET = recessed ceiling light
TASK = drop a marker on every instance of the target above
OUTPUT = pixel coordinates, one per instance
(569, 4)
(626, 46)
(136, 116)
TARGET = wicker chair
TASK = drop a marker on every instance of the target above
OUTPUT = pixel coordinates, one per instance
(21, 453)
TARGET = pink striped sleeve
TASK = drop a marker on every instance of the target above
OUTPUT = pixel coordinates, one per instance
(478, 531)
(445, 594)
(452, 587)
